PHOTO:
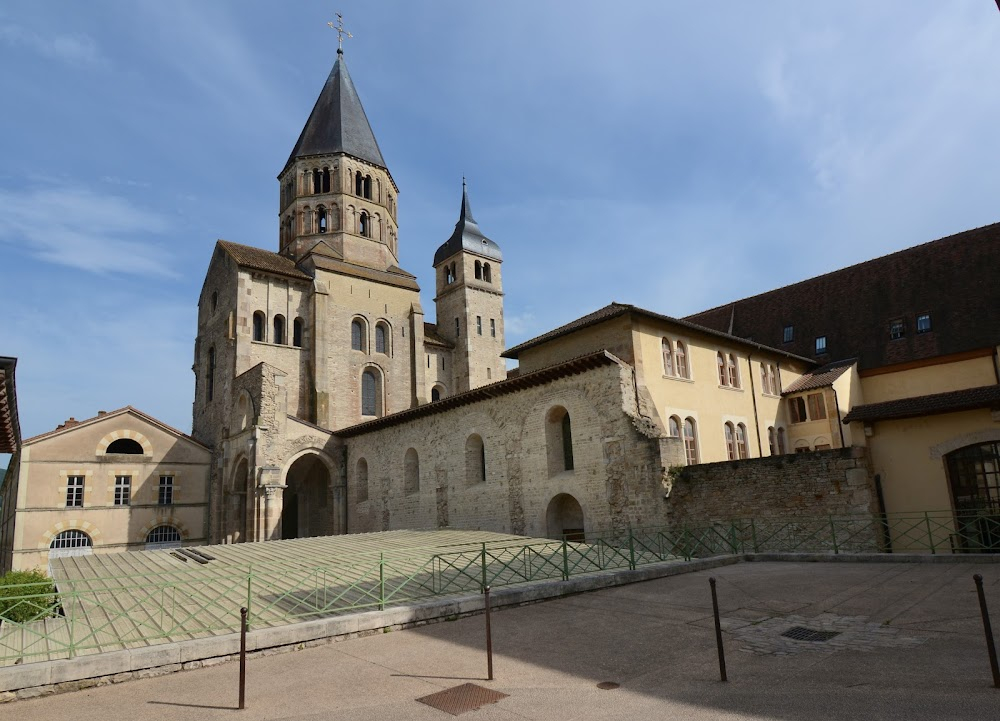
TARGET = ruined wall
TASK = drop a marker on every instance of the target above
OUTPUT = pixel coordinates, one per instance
(616, 477)
(834, 482)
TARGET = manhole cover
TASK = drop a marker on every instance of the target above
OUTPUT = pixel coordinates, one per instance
(608, 685)
(801, 633)
(460, 699)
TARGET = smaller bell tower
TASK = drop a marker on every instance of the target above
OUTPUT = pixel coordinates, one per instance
(469, 302)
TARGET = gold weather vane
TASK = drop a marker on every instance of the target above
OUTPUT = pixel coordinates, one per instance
(339, 27)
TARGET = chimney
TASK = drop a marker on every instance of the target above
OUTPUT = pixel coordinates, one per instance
(70, 423)
(101, 413)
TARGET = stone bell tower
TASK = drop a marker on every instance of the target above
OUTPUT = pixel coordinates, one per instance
(469, 301)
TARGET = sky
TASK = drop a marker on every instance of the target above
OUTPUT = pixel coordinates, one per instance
(674, 155)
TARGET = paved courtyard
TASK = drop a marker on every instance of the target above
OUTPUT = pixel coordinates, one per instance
(908, 645)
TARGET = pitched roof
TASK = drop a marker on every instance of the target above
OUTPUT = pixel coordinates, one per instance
(953, 279)
(467, 236)
(10, 428)
(338, 123)
(614, 310)
(821, 377)
(65, 428)
(964, 400)
(431, 335)
(500, 388)
(249, 256)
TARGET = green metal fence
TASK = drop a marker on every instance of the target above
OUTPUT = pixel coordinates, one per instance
(92, 615)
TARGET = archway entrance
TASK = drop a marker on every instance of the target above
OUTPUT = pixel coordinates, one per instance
(306, 502)
(235, 505)
(974, 477)
(564, 518)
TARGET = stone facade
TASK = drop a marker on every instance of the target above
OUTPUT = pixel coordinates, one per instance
(837, 482)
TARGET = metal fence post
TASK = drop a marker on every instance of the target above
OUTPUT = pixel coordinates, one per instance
(732, 538)
(753, 535)
(991, 648)
(565, 553)
(381, 581)
(249, 590)
(243, 657)
(718, 631)
(484, 564)
(631, 550)
(833, 535)
(489, 635)
(930, 536)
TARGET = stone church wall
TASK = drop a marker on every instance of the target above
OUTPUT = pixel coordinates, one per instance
(617, 474)
(819, 483)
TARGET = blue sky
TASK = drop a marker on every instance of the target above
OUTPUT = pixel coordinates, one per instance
(675, 155)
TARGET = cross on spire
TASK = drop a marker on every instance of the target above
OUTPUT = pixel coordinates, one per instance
(341, 32)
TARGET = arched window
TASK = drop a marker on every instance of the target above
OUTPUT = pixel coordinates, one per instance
(487, 273)
(317, 182)
(765, 381)
(326, 180)
(721, 362)
(411, 472)
(358, 340)
(125, 445)
(163, 537)
(70, 540)
(210, 379)
(436, 393)
(772, 441)
(368, 187)
(454, 274)
(479, 270)
(781, 441)
(559, 440)
(371, 393)
(475, 460)
(279, 330)
(974, 476)
(772, 374)
(381, 338)
(215, 300)
(297, 332)
(359, 184)
(734, 371)
(674, 427)
(258, 326)
(730, 442)
(364, 227)
(321, 220)
(690, 442)
(741, 441)
(307, 221)
(668, 357)
(680, 359)
(361, 480)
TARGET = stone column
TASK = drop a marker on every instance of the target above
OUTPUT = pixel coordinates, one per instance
(273, 490)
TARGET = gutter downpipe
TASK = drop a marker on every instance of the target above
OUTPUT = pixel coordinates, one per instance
(756, 419)
(840, 423)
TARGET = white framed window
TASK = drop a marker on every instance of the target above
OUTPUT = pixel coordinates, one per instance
(74, 492)
(668, 357)
(123, 490)
(163, 537)
(742, 448)
(730, 441)
(680, 359)
(166, 491)
(690, 441)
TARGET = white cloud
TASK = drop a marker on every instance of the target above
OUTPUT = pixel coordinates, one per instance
(82, 229)
(75, 49)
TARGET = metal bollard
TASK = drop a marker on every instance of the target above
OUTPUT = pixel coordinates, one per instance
(243, 658)
(991, 648)
(718, 631)
(489, 636)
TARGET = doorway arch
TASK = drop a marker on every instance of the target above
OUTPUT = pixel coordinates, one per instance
(235, 504)
(974, 481)
(564, 518)
(306, 507)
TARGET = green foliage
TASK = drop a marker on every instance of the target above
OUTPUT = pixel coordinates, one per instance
(26, 596)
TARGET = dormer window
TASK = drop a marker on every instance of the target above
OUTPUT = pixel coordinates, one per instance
(896, 329)
(820, 344)
(788, 335)
(923, 323)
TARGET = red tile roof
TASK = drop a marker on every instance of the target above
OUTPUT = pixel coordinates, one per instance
(10, 429)
(967, 399)
(614, 310)
(953, 279)
(259, 259)
(820, 378)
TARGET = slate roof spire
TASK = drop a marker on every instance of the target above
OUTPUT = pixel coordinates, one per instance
(467, 235)
(337, 123)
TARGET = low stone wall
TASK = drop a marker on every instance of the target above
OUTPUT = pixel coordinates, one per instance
(821, 483)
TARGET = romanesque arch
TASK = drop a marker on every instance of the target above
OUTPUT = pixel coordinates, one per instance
(307, 507)
(235, 504)
(564, 518)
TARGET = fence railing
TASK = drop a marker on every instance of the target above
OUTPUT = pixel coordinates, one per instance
(91, 615)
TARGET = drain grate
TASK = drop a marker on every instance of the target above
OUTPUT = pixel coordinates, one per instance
(608, 685)
(801, 633)
(460, 699)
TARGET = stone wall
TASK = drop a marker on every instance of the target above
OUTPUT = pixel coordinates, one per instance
(820, 483)
(617, 475)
